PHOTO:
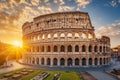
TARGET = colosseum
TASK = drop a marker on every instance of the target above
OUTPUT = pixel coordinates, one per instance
(64, 39)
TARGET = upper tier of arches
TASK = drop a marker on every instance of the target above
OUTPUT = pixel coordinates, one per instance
(60, 35)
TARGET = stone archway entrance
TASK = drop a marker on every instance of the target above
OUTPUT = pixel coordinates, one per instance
(69, 62)
(84, 62)
(48, 61)
(76, 62)
(62, 61)
(90, 61)
(96, 61)
(55, 61)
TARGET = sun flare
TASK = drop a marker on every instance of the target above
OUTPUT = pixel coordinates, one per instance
(17, 43)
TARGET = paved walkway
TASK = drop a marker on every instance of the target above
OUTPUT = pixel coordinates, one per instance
(14, 67)
(100, 75)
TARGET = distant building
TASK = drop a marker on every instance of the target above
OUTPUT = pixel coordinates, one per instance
(64, 39)
(116, 52)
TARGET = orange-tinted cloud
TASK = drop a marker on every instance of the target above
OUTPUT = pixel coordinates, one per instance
(113, 31)
(13, 13)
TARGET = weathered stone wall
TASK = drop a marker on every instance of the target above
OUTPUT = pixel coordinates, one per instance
(64, 39)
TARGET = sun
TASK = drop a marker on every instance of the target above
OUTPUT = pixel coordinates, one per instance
(17, 43)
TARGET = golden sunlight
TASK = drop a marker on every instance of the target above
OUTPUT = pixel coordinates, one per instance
(17, 43)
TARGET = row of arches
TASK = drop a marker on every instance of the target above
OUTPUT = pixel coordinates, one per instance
(62, 35)
(69, 61)
(70, 48)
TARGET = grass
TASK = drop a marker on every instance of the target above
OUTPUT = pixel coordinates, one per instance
(28, 77)
(69, 76)
(64, 75)
(11, 72)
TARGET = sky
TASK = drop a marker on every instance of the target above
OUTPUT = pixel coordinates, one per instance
(104, 14)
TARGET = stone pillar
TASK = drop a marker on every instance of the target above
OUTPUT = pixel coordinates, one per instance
(73, 62)
(65, 48)
(39, 61)
(92, 48)
(58, 48)
(98, 61)
(87, 62)
(51, 62)
(65, 62)
(35, 61)
(31, 61)
(58, 64)
(45, 61)
(87, 48)
(45, 49)
(80, 62)
(40, 48)
(98, 49)
(102, 48)
(73, 49)
(93, 61)
(51, 48)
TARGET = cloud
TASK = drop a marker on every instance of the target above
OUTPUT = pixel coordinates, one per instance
(62, 2)
(110, 30)
(44, 9)
(13, 13)
(11, 3)
(119, 1)
(65, 8)
(35, 2)
(113, 31)
(83, 3)
(46, 1)
(113, 3)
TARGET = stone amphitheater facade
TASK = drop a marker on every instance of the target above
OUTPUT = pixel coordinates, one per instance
(64, 39)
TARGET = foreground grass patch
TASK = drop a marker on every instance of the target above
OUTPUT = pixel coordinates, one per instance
(23, 77)
(64, 75)
(31, 75)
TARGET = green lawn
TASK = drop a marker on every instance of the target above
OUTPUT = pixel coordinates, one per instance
(64, 75)
(33, 74)
(12, 72)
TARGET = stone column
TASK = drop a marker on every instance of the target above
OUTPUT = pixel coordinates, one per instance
(73, 62)
(39, 61)
(65, 62)
(93, 61)
(58, 48)
(65, 48)
(80, 62)
(45, 61)
(39, 48)
(51, 63)
(73, 49)
(45, 49)
(98, 61)
(87, 62)
(93, 49)
(52, 48)
(35, 61)
(87, 48)
(58, 64)
(98, 49)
